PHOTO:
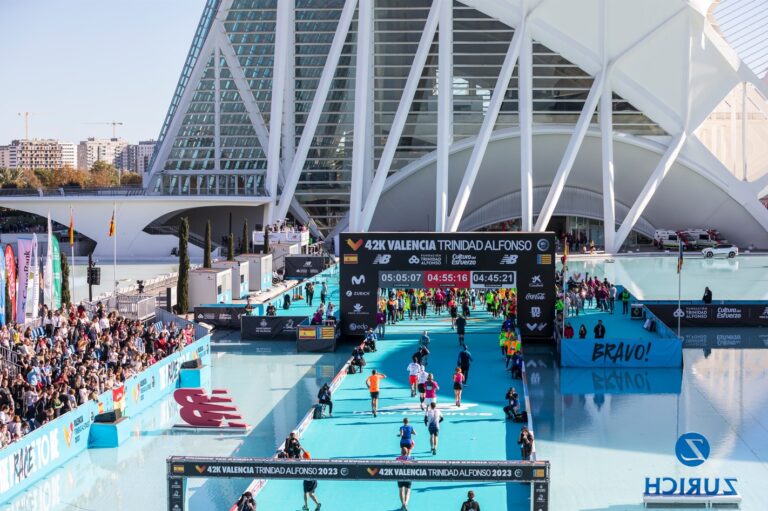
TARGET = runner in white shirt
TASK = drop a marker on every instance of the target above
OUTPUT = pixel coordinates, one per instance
(420, 379)
(414, 368)
(432, 420)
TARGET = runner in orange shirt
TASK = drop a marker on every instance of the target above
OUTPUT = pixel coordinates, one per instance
(373, 386)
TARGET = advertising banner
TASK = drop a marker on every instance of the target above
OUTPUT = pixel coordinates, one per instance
(621, 353)
(362, 470)
(608, 380)
(223, 316)
(10, 271)
(481, 260)
(48, 271)
(25, 250)
(723, 314)
(2, 290)
(33, 293)
(260, 328)
(56, 274)
(302, 267)
(24, 463)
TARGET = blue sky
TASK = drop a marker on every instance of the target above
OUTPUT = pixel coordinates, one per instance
(71, 62)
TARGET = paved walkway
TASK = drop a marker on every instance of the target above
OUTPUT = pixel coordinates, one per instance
(477, 430)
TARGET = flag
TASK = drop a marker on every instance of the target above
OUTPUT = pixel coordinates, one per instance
(565, 251)
(680, 256)
(71, 228)
(47, 281)
(112, 225)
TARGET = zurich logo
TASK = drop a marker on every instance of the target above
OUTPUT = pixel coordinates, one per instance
(349, 293)
(692, 449)
(543, 245)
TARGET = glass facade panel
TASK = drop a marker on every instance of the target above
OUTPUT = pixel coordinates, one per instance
(480, 44)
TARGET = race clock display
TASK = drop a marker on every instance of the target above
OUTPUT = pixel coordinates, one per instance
(401, 279)
(494, 279)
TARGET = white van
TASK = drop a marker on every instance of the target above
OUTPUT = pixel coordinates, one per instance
(665, 239)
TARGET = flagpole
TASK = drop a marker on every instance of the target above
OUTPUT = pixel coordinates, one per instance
(114, 249)
(679, 284)
(72, 251)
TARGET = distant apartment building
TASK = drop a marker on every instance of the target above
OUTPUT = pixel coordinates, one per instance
(5, 156)
(109, 150)
(33, 154)
(139, 156)
(68, 154)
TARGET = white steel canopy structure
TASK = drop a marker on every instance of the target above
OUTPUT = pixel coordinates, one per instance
(442, 115)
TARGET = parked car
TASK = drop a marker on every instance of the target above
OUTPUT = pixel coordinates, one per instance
(724, 249)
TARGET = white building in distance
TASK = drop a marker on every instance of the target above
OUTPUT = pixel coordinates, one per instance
(68, 154)
(109, 150)
(140, 155)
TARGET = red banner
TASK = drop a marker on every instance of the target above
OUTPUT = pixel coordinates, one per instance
(10, 268)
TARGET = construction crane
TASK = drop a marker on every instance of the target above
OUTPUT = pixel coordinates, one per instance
(26, 122)
(114, 124)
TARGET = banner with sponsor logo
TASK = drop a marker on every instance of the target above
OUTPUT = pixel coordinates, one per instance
(481, 260)
(37, 454)
(303, 267)
(621, 353)
(616, 380)
(260, 328)
(27, 251)
(10, 271)
(224, 316)
(2, 290)
(723, 314)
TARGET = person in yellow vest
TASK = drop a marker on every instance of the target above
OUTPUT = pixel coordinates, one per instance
(509, 347)
(502, 343)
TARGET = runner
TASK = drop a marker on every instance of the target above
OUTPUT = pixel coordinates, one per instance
(461, 324)
(422, 355)
(465, 359)
(404, 487)
(309, 489)
(414, 368)
(453, 309)
(373, 386)
(458, 385)
(430, 389)
(422, 380)
(432, 420)
(406, 434)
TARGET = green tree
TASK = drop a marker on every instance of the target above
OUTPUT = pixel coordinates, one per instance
(130, 179)
(207, 248)
(182, 286)
(47, 177)
(10, 178)
(103, 174)
(244, 243)
(231, 248)
(265, 249)
(66, 295)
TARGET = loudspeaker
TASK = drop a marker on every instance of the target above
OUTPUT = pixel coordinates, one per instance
(192, 364)
(109, 416)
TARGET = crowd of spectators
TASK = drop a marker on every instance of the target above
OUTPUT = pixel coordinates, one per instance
(79, 356)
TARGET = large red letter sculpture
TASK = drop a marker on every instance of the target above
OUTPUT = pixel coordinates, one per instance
(202, 411)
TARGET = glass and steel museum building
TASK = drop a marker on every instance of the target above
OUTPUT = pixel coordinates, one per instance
(462, 115)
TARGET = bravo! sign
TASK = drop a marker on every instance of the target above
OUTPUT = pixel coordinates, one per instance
(621, 353)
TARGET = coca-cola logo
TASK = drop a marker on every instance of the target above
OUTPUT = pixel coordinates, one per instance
(534, 296)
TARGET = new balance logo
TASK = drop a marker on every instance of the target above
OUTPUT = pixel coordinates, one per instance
(382, 259)
(509, 259)
(358, 280)
(203, 411)
(535, 327)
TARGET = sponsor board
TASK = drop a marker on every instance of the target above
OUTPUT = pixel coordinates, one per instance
(621, 353)
(259, 328)
(430, 260)
(723, 314)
